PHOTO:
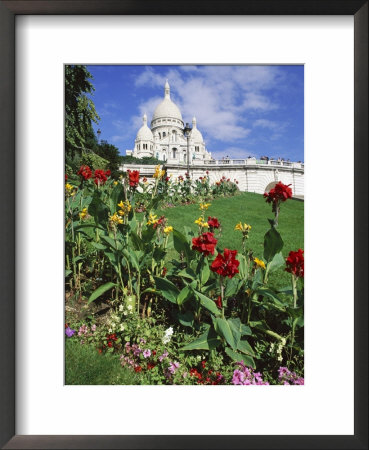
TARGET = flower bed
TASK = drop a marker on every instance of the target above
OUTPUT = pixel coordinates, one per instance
(207, 316)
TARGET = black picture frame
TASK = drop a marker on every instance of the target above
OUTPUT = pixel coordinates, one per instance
(8, 11)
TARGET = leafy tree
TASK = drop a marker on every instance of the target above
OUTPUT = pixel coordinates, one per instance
(79, 108)
(111, 154)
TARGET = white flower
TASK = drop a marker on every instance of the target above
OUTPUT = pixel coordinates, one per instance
(166, 339)
(121, 327)
(280, 358)
(110, 330)
(283, 340)
(120, 308)
(129, 307)
(271, 347)
(125, 313)
(169, 331)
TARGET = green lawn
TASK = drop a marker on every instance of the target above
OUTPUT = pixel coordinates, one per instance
(85, 365)
(252, 209)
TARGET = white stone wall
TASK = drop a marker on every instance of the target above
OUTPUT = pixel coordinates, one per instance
(251, 177)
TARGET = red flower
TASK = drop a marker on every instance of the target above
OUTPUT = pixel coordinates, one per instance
(205, 243)
(134, 177)
(207, 172)
(226, 265)
(218, 302)
(66, 177)
(144, 179)
(167, 179)
(203, 363)
(154, 352)
(280, 193)
(110, 344)
(161, 220)
(108, 173)
(150, 365)
(213, 222)
(100, 177)
(295, 263)
(164, 272)
(138, 369)
(85, 172)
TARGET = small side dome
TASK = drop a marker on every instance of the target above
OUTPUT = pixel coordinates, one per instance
(195, 133)
(144, 133)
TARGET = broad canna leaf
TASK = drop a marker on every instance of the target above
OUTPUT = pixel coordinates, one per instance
(207, 303)
(167, 289)
(248, 360)
(245, 347)
(273, 244)
(207, 341)
(100, 291)
(223, 328)
(185, 294)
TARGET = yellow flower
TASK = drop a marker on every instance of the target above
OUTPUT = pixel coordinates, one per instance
(115, 219)
(152, 219)
(259, 263)
(168, 230)
(125, 207)
(70, 190)
(243, 227)
(159, 173)
(83, 213)
(200, 222)
(204, 206)
(115, 183)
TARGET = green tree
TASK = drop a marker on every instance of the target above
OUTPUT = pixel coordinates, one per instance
(79, 108)
(111, 154)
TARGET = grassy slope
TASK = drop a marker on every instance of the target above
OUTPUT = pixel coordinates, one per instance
(84, 365)
(252, 209)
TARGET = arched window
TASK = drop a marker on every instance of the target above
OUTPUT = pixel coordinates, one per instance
(164, 134)
(157, 155)
(159, 135)
(174, 135)
(174, 153)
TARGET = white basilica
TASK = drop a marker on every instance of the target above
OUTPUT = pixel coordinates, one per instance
(165, 139)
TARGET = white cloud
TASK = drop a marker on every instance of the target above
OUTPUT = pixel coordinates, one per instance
(221, 97)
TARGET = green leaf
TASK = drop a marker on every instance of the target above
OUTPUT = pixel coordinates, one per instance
(243, 267)
(167, 289)
(207, 303)
(98, 210)
(205, 272)
(236, 324)
(185, 294)
(100, 290)
(187, 273)
(207, 341)
(99, 246)
(186, 319)
(67, 273)
(110, 241)
(268, 293)
(248, 360)
(273, 244)
(132, 258)
(233, 324)
(180, 242)
(245, 347)
(223, 328)
(231, 287)
(137, 242)
(277, 262)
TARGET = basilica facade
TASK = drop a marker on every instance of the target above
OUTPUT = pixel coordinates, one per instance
(165, 139)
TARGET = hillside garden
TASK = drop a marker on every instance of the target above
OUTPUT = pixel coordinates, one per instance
(180, 281)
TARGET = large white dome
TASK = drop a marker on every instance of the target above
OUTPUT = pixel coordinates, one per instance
(144, 133)
(167, 108)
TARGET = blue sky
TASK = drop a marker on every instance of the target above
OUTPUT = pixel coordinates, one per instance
(240, 110)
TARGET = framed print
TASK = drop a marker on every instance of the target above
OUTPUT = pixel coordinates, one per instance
(40, 41)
